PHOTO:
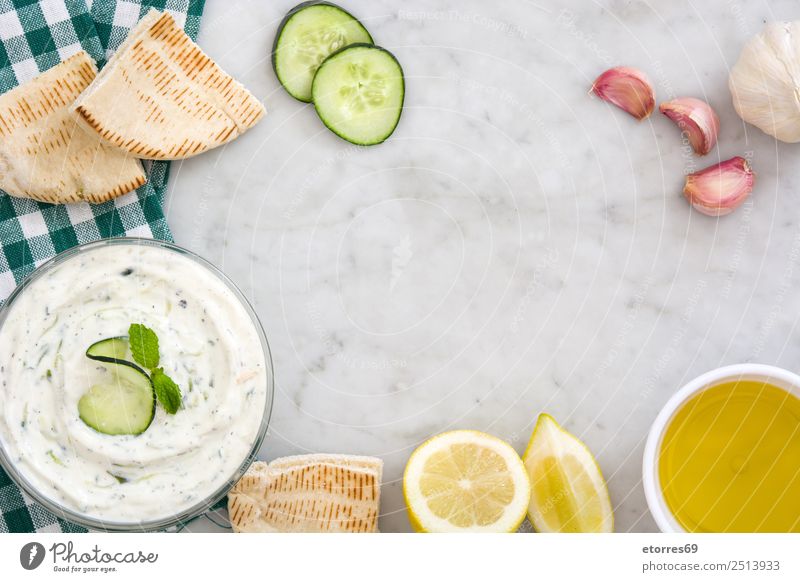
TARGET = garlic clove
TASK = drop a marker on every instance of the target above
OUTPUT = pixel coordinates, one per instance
(627, 88)
(696, 119)
(721, 188)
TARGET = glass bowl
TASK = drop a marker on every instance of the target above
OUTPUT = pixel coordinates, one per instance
(184, 516)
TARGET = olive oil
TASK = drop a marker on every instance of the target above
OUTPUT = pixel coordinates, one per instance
(730, 460)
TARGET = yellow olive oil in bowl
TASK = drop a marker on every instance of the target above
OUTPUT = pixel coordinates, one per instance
(730, 460)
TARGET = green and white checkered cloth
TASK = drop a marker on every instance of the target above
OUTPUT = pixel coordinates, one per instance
(36, 35)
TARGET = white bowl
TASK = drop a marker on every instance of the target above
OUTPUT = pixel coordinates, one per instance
(779, 377)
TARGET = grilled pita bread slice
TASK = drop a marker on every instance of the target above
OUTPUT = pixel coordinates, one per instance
(314, 497)
(45, 155)
(161, 97)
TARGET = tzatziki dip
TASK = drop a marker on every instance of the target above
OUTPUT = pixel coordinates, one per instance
(209, 346)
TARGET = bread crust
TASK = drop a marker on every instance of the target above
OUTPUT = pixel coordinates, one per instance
(161, 97)
(44, 155)
(308, 493)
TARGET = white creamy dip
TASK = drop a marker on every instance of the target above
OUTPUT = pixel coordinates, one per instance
(208, 344)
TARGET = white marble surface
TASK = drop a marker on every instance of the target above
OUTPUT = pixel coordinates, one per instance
(516, 247)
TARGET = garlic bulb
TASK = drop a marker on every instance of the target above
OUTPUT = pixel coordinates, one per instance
(765, 82)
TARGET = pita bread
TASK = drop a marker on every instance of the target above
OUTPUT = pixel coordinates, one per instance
(162, 98)
(307, 497)
(44, 155)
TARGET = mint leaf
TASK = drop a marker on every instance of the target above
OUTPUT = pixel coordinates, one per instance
(167, 391)
(144, 345)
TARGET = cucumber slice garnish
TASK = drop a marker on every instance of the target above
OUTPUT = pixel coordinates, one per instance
(125, 402)
(358, 93)
(307, 35)
(116, 348)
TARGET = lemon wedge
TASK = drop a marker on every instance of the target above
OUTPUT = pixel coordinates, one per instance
(568, 492)
(465, 481)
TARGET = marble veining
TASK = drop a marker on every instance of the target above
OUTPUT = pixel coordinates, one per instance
(517, 246)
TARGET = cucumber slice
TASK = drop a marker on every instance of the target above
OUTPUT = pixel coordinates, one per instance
(307, 35)
(123, 404)
(115, 348)
(358, 93)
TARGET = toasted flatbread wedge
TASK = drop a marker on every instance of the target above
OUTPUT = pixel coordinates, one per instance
(161, 97)
(44, 155)
(310, 497)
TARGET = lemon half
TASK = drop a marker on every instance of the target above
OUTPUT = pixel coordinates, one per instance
(466, 481)
(568, 492)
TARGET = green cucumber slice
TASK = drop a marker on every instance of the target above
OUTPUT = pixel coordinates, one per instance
(307, 35)
(358, 93)
(116, 348)
(125, 403)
